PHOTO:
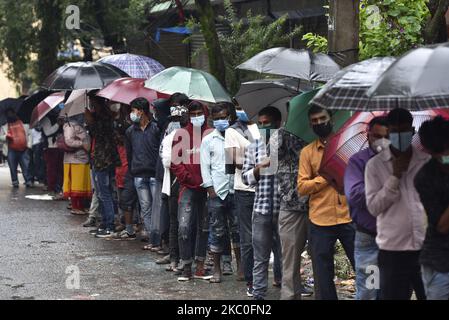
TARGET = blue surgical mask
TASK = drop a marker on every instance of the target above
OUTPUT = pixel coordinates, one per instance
(221, 125)
(242, 116)
(401, 140)
(134, 117)
(444, 160)
(198, 121)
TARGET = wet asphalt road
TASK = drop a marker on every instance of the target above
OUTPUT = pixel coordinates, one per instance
(40, 239)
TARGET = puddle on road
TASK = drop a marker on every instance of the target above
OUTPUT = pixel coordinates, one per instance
(44, 197)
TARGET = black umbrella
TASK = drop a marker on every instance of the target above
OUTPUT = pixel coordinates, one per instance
(28, 105)
(83, 75)
(9, 103)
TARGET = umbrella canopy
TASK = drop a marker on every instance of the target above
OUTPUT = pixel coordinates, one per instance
(255, 95)
(418, 80)
(83, 75)
(126, 90)
(353, 137)
(28, 105)
(75, 104)
(196, 84)
(9, 103)
(136, 66)
(45, 106)
(298, 119)
(347, 90)
(302, 64)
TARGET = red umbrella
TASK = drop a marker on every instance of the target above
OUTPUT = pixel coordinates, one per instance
(45, 106)
(352, 138)
(125, 90)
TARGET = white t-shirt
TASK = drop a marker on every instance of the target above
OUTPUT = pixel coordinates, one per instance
(233, 139)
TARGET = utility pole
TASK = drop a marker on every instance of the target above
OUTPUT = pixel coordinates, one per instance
(343, 34)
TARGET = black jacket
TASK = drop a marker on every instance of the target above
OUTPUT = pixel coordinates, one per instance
(142, 149)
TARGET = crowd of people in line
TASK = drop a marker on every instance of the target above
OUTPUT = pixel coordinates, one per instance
(204, 185)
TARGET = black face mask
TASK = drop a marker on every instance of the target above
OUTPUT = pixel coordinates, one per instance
(323, 130)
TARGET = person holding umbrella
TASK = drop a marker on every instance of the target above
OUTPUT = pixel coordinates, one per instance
(16, 138)
(328, 211)
(366, 249)
(432, 184)
(391, 197)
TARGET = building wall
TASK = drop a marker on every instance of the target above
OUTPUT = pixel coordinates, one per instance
(7, 87)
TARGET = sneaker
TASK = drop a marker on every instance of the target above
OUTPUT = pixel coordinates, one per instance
(123, 235)
(185, 276)
(15, 185)
(227, 269)
(306, 292)
(95, 231)
(164, 260)
(202, 274)
(209, 260)
(90, 222)
(249, 291)
(104, 234)
(171, 267)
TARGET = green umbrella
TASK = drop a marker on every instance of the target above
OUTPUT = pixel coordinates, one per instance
(298, 120)
(196, 84)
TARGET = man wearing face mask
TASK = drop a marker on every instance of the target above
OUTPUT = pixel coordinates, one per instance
(392, 198)
(432, 184)
(219, 186)
(328, 211)
(366, 249)
(142, 141)
(192, 211)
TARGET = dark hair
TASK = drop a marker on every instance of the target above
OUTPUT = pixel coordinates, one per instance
(434, 135)
(141, 104)
(179, 98)
(314, 109)
(399, 116)
(230, 108)
(219, 107)
(381, 121)
(195, 105)
(271, 112)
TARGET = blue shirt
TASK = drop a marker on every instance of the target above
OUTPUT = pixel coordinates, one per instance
(213, 170)
(354, 182)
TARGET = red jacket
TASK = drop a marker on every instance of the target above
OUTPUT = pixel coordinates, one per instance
(186, 155)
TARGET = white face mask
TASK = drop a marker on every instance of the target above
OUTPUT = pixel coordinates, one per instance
(115, 107)
(380, 145)
(198, 121)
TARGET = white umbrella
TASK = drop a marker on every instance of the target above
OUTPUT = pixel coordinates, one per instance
(75, 104)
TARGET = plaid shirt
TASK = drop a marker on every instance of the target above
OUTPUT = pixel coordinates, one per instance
(266, 199)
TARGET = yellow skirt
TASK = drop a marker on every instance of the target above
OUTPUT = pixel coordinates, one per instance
(77, 181)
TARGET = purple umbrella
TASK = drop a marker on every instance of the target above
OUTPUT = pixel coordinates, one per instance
(136, 66)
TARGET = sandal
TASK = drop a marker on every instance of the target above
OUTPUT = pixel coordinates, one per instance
(78, 212)
(147, 247)
(156, 249)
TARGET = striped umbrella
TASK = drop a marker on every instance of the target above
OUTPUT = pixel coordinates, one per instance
(136, 66)
(45, 106)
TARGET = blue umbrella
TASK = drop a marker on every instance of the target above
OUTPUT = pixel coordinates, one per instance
(136, 66)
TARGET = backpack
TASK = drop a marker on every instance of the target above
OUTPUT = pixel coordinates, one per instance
(17, 134)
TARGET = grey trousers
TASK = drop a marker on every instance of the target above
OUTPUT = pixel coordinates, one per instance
(293, 235)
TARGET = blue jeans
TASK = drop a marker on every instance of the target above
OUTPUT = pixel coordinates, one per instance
(265, 239)
(14, 159)
(104, 188)
(244, 202)
(224, 224)
(322, 241)
(193, 229)
(146, 192)
(365, 254)
(435, 283)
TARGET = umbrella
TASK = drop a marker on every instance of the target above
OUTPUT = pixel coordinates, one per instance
(126, 90)
(196, 84)
(83, 75)
(347, 90)
(45, 106)
(298, 119)
(255, 95)
(30, 103)
(302, 64)
(9, 103)
(76, 103)
(352, 138)
(136, 66)
(418, 80)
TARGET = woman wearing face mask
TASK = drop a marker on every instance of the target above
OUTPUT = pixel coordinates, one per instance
(432, 184)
